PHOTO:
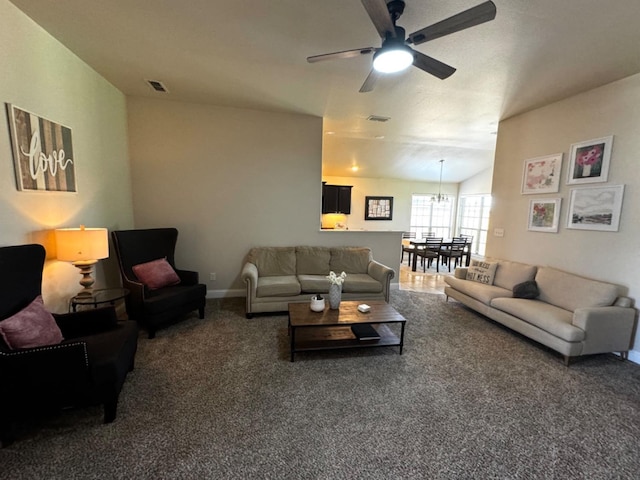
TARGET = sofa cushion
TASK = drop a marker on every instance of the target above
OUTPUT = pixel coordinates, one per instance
(570, 291)
(314, 283)
(509, 274)
(281, 286)
(361, 283)
(551, 319)
(272, 261)
(481, 271)
(165, 299)
(350, 259)
(313, 261)
(479, 291)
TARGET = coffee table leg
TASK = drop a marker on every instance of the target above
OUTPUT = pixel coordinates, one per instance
(401, 337)
(293, 342)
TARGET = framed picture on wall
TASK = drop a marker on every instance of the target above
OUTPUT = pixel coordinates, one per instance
(378, 208)
(544, 214)
(542, 174)
(589, 161)
(42, 152)
(595, 208)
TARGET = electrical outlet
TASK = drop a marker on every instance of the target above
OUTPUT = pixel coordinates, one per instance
(212, 276)
(498, 232)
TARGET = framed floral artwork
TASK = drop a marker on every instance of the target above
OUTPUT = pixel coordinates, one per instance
(544, 214)
(589, 161)
(595, 208)
(542, 174)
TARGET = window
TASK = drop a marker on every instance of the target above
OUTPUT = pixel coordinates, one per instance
(474, 219)
(429, 217)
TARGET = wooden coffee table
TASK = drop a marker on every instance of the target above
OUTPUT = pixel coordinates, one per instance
(331, 329)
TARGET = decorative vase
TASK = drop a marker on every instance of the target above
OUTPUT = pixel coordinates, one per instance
(335, 295)
(317, 303)
(586, 170)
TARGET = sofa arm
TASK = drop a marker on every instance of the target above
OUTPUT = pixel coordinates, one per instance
(461, 273)
(249, 276)
(607, 329)
(383, 274)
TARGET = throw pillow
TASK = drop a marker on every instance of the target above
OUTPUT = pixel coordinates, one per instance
(156, 274)
(33, 326)
(482, 272)
(527, 289)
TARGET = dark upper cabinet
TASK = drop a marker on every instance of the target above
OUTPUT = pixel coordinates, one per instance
(336, 199)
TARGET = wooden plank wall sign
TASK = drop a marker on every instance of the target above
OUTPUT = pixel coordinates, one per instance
(42, 153)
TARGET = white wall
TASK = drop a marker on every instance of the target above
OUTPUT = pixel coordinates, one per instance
(230, 179)
(479, 184)
(40, 75)
(613, 109)
(401, 192)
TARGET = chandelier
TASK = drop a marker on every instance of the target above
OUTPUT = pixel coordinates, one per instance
(441, 197)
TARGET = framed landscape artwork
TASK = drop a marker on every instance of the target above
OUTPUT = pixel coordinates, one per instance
(544, 214)
(595, 208)
(378, 208)
(542, 174)
(42, 153)
(589, 161)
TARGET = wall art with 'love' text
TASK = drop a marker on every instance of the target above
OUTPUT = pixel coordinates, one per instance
(42, 153)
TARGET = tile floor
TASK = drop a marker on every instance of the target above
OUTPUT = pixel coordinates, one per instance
(418, 281)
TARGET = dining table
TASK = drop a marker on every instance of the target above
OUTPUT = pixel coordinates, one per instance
(445, 243)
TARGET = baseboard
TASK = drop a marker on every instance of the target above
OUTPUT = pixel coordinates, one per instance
(226, 293)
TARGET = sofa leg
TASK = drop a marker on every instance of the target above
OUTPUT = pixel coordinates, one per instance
(567, 360)
(201, 313)
(110, 410)
(152, 334)
(624, 356)
(249, 316)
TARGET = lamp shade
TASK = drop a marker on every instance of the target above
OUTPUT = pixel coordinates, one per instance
(82, 244)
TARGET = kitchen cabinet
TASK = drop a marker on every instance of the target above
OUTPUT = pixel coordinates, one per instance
(336, 199)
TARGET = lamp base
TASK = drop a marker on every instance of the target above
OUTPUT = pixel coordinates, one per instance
(86, 270)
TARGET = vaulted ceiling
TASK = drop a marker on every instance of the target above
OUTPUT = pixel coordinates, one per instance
(252, 54)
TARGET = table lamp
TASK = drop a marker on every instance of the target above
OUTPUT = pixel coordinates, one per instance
(83, 247)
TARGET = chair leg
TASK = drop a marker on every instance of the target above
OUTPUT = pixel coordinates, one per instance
(110, 410)
(201, 312)
(152, 333)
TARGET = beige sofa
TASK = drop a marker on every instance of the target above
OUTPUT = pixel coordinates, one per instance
(277, 276)
(572, 315)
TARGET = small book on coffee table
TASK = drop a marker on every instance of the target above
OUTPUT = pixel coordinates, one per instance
(364, 331)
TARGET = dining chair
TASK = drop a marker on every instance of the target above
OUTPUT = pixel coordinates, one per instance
(430, 252)
(453, 250)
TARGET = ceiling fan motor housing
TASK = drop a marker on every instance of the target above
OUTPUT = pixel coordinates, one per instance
(396, 8)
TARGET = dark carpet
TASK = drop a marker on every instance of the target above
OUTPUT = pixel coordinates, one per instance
(219, 399)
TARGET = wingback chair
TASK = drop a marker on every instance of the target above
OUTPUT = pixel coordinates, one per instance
(154, 308)
(88, 366)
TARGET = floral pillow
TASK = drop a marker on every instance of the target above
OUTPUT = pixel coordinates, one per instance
(156, 274)
(33, 326)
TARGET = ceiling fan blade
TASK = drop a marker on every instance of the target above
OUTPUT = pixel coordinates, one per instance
(344, 54)
(474, 16)
(432, 66)
(370, 82)
(379, 14)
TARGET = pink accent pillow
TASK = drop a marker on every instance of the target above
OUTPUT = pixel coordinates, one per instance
(31, 327)
(156, 274)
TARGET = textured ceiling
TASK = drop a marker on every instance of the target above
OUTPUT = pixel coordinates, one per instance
(252, 53)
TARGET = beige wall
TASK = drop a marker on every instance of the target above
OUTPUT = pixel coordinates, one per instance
(40, 75)
(231, 179)
(478, 184)
(401, 192)
(611, 256)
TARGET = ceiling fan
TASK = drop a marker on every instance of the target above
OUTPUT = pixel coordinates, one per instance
(395, 54)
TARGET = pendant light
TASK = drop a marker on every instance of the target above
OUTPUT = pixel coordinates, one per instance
(440, 197)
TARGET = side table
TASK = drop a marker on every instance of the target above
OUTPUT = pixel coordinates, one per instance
(99, 297)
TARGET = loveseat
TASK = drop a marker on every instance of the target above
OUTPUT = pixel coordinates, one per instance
(277, 276)
(570, 314)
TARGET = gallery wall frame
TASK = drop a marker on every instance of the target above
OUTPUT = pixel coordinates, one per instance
(595, 208)
(378, 208)
(42, 152)
(589, 161)
(542, 174)
(544, 214)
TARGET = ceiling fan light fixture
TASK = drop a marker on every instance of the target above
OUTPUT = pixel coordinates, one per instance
(393, 59)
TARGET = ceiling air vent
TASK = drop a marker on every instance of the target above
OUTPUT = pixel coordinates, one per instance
(378, 118)
(157, 86)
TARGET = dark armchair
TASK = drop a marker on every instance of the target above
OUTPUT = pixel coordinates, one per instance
(154, 309)
(88, 367)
